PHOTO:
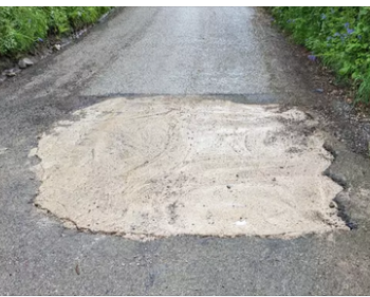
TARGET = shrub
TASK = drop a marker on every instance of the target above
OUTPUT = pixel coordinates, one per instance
(22, 27)
(339, 36)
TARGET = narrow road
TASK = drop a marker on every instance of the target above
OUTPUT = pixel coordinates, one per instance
(197, 127)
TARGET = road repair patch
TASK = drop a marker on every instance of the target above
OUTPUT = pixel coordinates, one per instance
(159, 166)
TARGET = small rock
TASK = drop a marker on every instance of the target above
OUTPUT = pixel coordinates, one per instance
(319, 91)
(274, 179)
(228, 186)
(22, 64)
(332, 204)
(28, 61)
(11, 72)
(352, 225)
(56, 47)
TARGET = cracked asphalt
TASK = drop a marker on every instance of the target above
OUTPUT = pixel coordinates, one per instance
(223, 53)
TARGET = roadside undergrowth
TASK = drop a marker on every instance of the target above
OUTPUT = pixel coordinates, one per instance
(336, 36)
(24, 28)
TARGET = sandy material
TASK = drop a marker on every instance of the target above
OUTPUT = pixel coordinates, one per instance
(156, 167)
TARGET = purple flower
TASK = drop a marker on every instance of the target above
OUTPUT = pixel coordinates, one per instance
(40, 39)
(350, 31)
(312, 58)
(336, 34)
(346, 25)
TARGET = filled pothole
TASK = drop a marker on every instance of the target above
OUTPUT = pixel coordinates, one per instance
(161, 166)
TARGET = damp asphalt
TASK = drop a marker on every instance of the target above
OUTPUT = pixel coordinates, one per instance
(223, 53)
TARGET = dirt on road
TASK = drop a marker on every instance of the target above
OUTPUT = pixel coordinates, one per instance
(160, 166)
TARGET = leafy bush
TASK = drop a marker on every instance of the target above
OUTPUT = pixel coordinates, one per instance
(22, 27)
(339, 36)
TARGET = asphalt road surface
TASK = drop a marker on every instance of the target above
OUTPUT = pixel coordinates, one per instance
(228, 54)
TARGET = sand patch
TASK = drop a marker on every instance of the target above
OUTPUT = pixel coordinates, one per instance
(156, 167)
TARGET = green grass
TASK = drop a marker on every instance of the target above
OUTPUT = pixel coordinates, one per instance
(338, 36)
(21, 28)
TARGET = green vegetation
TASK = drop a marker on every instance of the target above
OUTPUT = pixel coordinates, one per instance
(338, 36)
(21, 28)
